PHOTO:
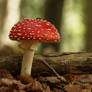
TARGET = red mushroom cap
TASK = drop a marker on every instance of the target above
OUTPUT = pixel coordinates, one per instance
(34, 29)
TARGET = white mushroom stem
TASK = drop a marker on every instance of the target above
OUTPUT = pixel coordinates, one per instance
(29, 48)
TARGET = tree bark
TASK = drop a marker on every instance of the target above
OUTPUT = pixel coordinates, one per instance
(74, 63)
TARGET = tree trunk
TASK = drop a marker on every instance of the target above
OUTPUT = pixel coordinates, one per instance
(3, 14)
(73, 27)
(74, 63)
(88, 22)
(12, 16)
(53, 13)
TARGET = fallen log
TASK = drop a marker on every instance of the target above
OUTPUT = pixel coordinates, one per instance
(63, 63)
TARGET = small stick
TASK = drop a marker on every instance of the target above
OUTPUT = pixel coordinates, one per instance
(54, 71)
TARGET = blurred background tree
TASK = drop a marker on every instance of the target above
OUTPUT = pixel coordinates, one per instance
(88, 26)
(53, 13)
(73, 26)
(72, 18)
(10, 14)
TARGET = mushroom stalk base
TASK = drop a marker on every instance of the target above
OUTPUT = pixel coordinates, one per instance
(28, 56)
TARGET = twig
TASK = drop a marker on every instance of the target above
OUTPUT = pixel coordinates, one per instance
(61, 78)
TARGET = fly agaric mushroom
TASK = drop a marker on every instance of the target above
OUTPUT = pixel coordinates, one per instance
(30, 32)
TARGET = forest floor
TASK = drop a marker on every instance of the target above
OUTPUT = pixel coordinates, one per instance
(47, 81)
(44, 82)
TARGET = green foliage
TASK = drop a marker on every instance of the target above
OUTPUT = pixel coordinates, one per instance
(73, 26)
(32, 8)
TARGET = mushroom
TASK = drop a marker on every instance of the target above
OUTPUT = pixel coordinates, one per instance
(30, 32)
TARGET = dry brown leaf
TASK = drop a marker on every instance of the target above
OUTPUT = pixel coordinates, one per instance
(57, 90)
(25, 79)
(5, 74)
(48, 89)
(73, 88)
(70, 77)
(36, 86)
(51, 79)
